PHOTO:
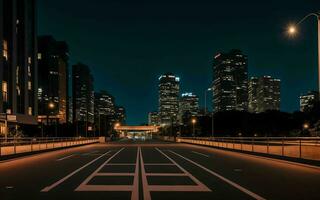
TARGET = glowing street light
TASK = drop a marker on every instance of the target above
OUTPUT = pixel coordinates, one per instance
(305, 126)
(51, 105)
(117, 125)
(193, 121)
(293, 30)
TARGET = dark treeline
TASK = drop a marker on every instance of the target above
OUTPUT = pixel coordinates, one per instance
(237, 123)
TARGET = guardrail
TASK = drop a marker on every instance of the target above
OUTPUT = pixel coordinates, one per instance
(10, 146)
(295, 147)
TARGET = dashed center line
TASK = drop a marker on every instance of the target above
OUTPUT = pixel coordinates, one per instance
(195, 152)
(66, 157)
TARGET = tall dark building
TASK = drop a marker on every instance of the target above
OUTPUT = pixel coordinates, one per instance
(169, 86)
(104, 112)
(188, 106)
(253, 94)
(120, 114)
(264, 94)
(53, 78)
(18, 63)
(153, 119)
(230, 81)
(308, 101)
(83, 98)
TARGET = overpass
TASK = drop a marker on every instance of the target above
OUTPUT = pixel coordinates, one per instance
(137, 131)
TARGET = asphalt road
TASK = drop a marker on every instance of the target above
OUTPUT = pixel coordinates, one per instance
(155, 170)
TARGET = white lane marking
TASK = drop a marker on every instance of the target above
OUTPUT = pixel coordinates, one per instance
(159, 164)
(201, 186)
(84, 186)
(89, 153)
(200, 154)
(239, 187)
(66, 157)
(48, 188)
(146, 192)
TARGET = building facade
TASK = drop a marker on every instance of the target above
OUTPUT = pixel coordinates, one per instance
(153, 119)
(169, 86)
(18, 63)
(83, 98)
(188, 106)
(253, 94)
(264, 94)
(120, 114)
(104, 112)
(53, 59)
(307, 101)
(230, 81)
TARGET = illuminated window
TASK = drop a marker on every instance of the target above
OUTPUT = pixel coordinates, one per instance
(4, 91)
(39, 56)
(29, 110)
(29, 60)
(5, 49)
(29, 85)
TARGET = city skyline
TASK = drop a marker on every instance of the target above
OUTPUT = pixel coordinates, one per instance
(184, 47)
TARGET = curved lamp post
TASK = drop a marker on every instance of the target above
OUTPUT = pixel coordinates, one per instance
(293, 29)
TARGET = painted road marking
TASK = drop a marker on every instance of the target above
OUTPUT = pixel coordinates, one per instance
(48, 188)
(66, 157)
(90, 153)
(199, 187)
(134, 189)
(195, 152)
(239, 187)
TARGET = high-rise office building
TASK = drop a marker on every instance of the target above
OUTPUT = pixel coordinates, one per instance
(230, 81)
(264, 94)
(83, 98)
(18, 63)
(153, 119)
(188, 106)
(169, 86)
(53, 79)
(253, 94)
(120, 114)
(104, 112)
(104, 103)
(307, 101)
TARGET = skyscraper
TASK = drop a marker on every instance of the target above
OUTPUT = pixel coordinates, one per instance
(264, 94)
(307, 101)
(18, 63)
(83, 98)
(168, 98)
(188, 106)
(53, 78)
(104, 111)
(120, 114)
(253, 94)
(230, 81)
(153, 118)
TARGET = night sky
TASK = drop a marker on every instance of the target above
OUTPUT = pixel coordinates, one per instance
(128, 44)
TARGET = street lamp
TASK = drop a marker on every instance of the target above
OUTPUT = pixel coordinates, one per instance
(51, 106)
(305, 126)
(205, 110)
(293, 29)
(193, 121)
(205, 99)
